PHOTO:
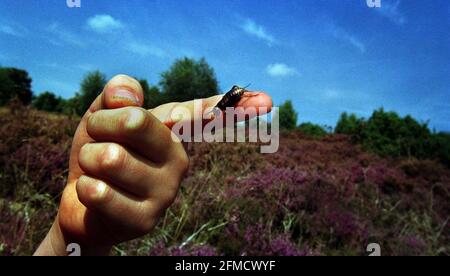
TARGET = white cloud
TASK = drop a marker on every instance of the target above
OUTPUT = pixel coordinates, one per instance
(13, 29)
(391, 11)
(144, 50)
(331, 94)
(253, 29)
(280, 70)
(85, 67)
(104, 23)
(345, 36)
(9, 30)
(62, 36)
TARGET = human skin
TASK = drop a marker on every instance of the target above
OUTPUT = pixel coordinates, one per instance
(124, 172)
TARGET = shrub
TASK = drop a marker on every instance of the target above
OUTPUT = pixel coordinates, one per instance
(312, 130)
(388, 134)
(351, 125)
(441, 147)
(288, 116)
(15, 83)
(48, 101)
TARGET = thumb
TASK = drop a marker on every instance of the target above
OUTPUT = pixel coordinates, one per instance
(120, 91)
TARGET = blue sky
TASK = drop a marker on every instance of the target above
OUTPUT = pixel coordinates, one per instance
(326, 56)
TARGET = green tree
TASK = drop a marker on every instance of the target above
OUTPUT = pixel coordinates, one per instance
(152, 95)
(48, 101)
(15, 83)
(389, 134)
(91, 86)
(351, 125)
(288, 116)
(441, 147)
(312, 130)
(189, 79)
(71, 106)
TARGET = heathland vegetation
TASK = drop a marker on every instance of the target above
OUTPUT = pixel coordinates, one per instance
(327, 191)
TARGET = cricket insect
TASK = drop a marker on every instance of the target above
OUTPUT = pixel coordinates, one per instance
(230, 99)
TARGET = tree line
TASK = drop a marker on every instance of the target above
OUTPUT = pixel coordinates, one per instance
(383, 133)
(185, 80)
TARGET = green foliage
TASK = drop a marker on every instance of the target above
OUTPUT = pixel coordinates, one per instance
(71, 106)
(152, 95)
(15, 83)
(189, 79)
(288, 116)
(351, 125)
(388, 134)
(91, 86)
(48, 101)
(312, 130)
(441, 146)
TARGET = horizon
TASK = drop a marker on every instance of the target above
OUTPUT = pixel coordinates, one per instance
(328, 57)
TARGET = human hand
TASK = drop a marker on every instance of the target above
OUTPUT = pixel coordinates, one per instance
(125, 170)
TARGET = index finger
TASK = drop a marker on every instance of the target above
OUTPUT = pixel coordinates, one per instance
(258, 100)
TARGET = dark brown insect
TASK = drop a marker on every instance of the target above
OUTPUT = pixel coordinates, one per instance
(231, 98)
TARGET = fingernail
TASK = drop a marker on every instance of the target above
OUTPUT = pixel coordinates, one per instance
(125, 95)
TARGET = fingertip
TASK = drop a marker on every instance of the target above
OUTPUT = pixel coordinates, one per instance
(265, 101)
(259, 100)
(122, 91)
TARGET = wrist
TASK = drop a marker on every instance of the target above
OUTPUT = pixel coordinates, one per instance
(55, 244)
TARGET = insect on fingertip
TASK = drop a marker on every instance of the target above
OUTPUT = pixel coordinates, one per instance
(231, 98)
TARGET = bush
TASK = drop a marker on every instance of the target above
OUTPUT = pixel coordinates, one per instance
(312, 130)
(288, 116)
(15, 83)
(388, 134)
(48, 101)
(351, 125)
(441, 147)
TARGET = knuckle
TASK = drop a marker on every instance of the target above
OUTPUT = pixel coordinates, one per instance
(82, 152)
(91, 120)
(169, 194)
(95, 124)
(107, 196)
(145, 223)
(93, 191)
(112, 157)
(135, 120)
